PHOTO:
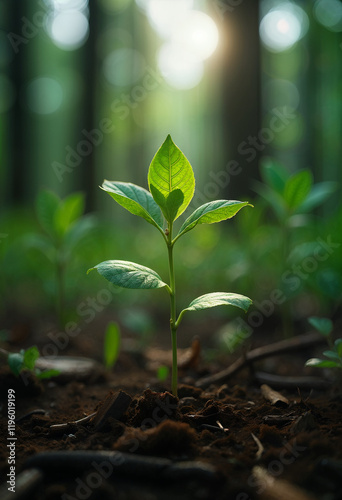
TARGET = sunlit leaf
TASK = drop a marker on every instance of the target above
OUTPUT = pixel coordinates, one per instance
(171, 170)
(68, 211)
(320, 363)
(211, 212)
(136, 200)
(169, 204)
(219, 299)
(128, 274)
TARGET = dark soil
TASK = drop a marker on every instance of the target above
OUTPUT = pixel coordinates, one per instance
(222, 442)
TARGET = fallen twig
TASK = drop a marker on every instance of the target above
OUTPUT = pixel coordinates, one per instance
(274, 397)
(277, 489)
(286, 382)
(260, 353)
(124, 465)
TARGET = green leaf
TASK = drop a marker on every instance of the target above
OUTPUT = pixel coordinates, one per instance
(331, 355)
(338, 347)
(171, 170)
(47, 374)
(320, 363)
(30, 357)
(274, 199)
(80, 230)
(111, 344)
(42, 243)
(318, 194)
(213, 211)
(136, 200)
(274, 175)
(323, 325)
(68, 211)
(16, 361)
(47, 203)
(297, 188)
(219, 299)
(170, 204)
(128, 274)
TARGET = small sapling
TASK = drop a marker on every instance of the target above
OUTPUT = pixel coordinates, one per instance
(171, 187)
(26, 359)
(333, 356)
(64, 227)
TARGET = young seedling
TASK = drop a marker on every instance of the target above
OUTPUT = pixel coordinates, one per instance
(334, 354)
(171, 187)
(112, 341)
(64, 227)
(289, 195)
(26, 360)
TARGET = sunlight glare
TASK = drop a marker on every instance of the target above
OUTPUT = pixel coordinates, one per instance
(165, 15)
(181, 69)
(197, 34)
(283, 26)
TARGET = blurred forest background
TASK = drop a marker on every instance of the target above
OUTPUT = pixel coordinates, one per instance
(89, 91)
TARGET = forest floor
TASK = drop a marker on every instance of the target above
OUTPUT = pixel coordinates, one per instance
(234, 439)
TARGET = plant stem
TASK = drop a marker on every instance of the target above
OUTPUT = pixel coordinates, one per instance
(173, 324)
(286, 310)
(60, 290)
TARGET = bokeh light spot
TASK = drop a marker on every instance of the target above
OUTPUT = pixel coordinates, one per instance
(329, 14)
(68, 29)
(44, 95)
(280, 92)
(124, 67)
(197, 34)
(165, 15)
(283, 26)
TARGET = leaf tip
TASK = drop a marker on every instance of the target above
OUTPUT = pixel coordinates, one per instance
(91, 269)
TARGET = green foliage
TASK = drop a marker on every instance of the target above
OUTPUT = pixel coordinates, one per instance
(171, 171)
(171, 183)
(112, 342)
(162, 373)
(289, 194)
(64, 228)
(26, 360)
(334, 355)
(128, 274)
